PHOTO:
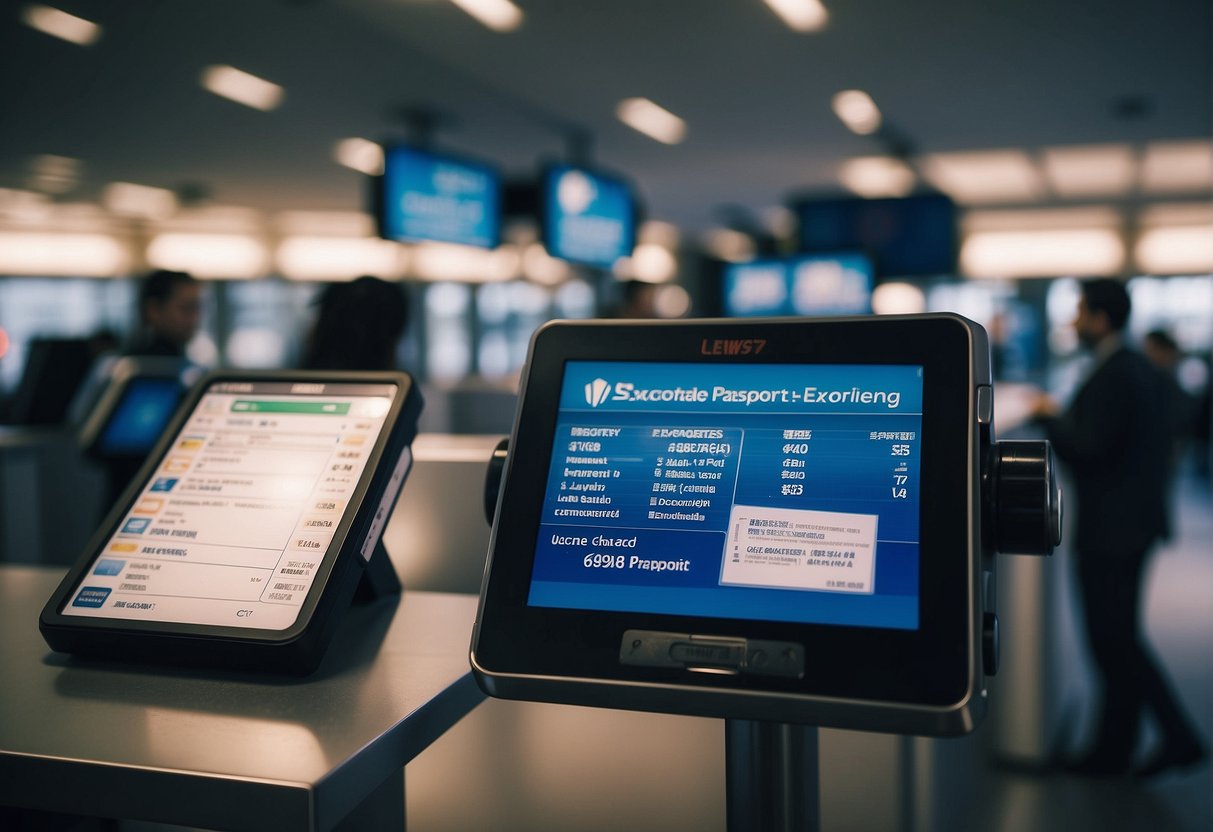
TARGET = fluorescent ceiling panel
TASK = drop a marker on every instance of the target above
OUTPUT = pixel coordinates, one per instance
(1055, 253)
(800, 15)
(224, 256)
(339, 258)
(989, 176)
(498, 15)
(130, 200)
(877, 176)
(358, 154)
(857, 110)
(1090, 171)
(1175, 250)
(652, 119)
(1178, 167)
(242, 87)
(60, 24)
(1034, 219)
(62, 255)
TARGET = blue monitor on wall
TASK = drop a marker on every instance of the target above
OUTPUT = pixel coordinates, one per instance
(436, 197)
(803, 285)
(586, 216)
(909, 236)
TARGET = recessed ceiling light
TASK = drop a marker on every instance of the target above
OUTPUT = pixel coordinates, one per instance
(60, 24)
(498, 15)
(242, 87)
(800, 15)
(984, 176)
(1089, 171)
(857, 110)
(652, 119)
(877, 176)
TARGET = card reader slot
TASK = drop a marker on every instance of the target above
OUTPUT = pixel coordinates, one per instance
(711, 654)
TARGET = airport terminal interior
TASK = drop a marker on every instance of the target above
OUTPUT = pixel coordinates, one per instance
(419, 186)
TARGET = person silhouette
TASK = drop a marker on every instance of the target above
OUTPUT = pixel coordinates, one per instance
(358, 326)
(1116, 440)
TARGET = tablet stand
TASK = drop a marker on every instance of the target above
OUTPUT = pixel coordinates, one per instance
(771, 777)
(379, 578)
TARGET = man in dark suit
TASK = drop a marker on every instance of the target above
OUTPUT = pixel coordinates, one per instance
(1116, 440)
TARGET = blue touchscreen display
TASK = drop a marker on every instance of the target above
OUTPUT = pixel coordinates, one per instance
(779, 492)
(145, 409)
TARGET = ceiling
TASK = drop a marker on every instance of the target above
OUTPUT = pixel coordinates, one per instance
(948, 75)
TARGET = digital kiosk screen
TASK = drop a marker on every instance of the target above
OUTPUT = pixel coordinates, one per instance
(777, 492)
(140, 417)
(427, 196)
(232, 526)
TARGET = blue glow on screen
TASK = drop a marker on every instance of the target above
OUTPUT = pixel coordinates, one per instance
(141, 416)
(821, 285)
(432, 197)
(587, 218)
(778, 492)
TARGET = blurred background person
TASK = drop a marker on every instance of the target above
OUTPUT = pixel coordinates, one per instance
(358, 326)
(170, 313)
(1116, 439)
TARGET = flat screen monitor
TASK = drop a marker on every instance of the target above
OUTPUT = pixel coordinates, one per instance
(426, 196)
(810, 285)
(905, 237)
(586, 216)
(249, 525)
(767, 519)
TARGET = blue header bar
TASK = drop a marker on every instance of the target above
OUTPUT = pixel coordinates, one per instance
(634, 387)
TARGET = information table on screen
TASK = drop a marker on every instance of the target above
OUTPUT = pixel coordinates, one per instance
(769, 492)
(232, 527)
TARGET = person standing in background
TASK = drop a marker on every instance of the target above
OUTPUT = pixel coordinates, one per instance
(170, 313)
(358, 326)
(1116, 439)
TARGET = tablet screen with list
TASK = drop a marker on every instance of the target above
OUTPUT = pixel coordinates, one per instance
(235, 521)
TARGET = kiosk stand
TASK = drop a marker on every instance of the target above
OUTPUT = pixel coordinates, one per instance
(787, 524)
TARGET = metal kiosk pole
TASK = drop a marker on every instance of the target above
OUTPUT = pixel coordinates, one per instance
(771, 777)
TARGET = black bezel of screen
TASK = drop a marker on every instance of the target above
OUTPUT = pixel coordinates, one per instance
(54, 616)
(928, 666)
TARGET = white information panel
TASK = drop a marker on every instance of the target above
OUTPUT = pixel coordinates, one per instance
(232, 527)
(800, 549)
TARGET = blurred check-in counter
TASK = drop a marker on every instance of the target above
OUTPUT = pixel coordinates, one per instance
(438, 535)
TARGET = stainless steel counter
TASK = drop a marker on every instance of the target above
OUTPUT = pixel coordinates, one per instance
(230, 750)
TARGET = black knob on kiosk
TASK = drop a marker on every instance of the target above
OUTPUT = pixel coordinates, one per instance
(492, 479)
(1027, 498)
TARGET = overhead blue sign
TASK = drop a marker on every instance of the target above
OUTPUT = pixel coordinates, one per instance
(427, 196)
(834, 284)
(587, 217)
